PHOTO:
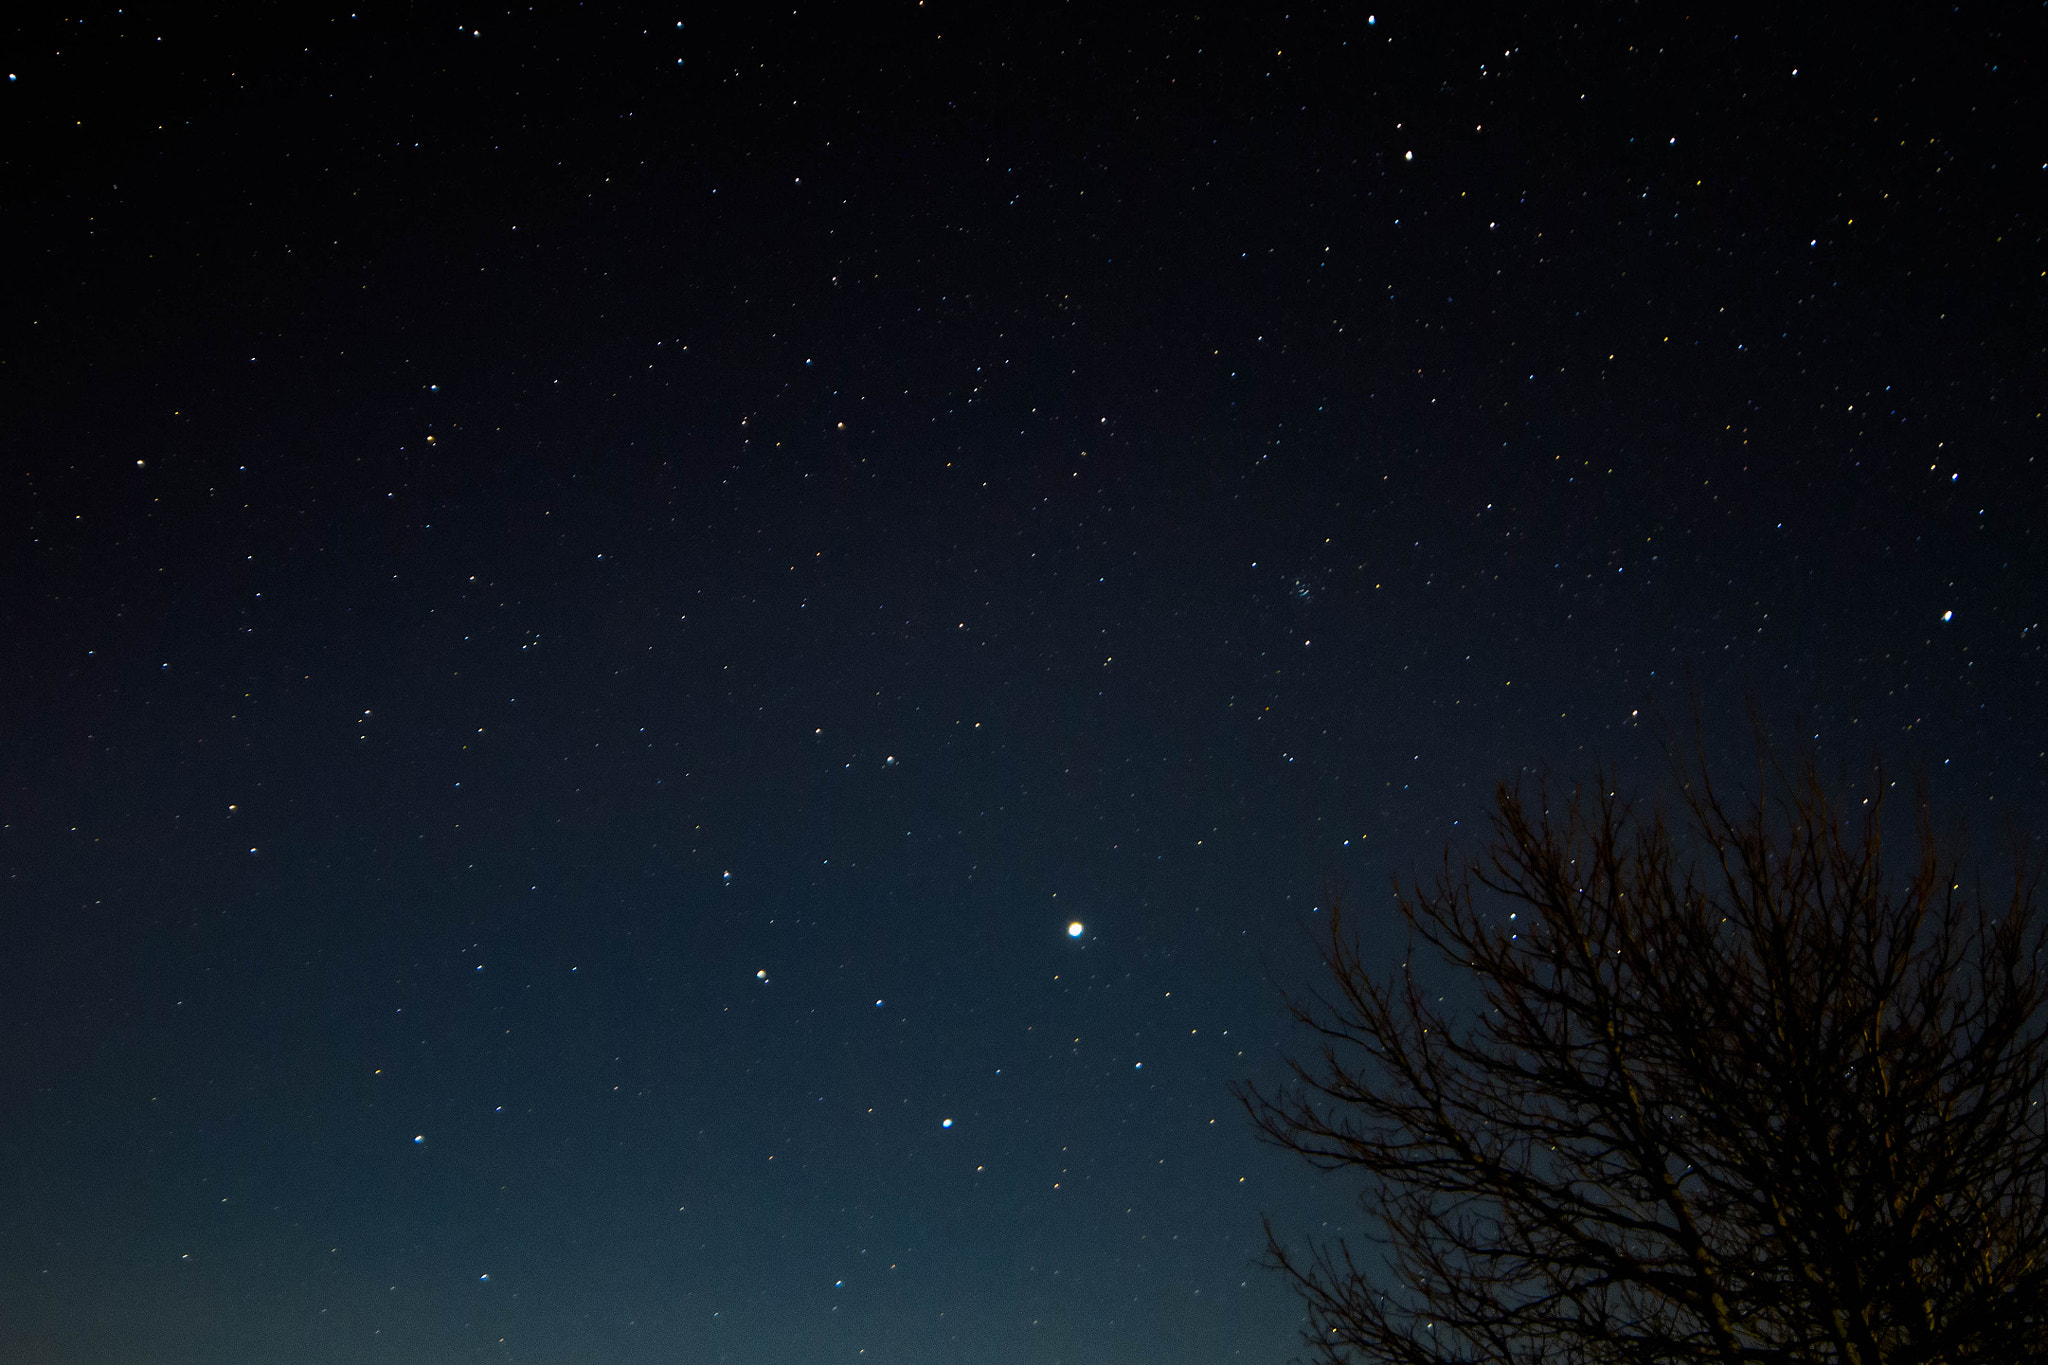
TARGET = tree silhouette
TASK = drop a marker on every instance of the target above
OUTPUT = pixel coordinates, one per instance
(1724, 1090)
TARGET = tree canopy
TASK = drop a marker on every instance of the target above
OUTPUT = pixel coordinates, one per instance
(1722, 1086)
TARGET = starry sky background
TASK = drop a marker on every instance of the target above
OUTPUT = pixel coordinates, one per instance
(587, 593)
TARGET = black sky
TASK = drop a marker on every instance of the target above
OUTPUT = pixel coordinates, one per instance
(587, 593)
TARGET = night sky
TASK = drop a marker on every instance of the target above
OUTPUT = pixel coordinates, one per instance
(585, 596)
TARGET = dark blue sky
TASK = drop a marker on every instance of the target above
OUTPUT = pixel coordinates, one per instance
(587, 600)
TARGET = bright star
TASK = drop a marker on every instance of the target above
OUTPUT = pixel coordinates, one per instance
(1074, 929)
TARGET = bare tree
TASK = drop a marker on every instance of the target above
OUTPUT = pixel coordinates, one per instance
(1722, 1089)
